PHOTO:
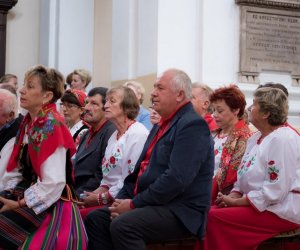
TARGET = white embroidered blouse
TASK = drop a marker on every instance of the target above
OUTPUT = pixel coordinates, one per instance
(269, 173)
(4, 158)
(218, 149)
(121, 156)
(44, 193)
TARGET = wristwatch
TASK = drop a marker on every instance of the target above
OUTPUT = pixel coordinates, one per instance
(104, 199)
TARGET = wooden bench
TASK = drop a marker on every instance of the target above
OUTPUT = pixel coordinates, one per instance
(275, 243)
(176, 244)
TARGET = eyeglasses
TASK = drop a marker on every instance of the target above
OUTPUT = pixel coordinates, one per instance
(68, 105)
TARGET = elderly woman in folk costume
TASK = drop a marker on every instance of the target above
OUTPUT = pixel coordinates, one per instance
(265, 199)
(37, 172)
(123, 147)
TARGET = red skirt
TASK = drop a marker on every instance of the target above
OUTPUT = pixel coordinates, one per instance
(241, 228)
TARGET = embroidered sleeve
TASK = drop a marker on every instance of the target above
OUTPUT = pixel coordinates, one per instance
(11, 179)
(43, 194)
(4, 157)
(279, 163)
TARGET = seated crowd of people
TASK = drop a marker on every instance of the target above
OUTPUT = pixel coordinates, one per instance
(101, 171)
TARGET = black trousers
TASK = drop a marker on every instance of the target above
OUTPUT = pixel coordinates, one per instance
(133, 229)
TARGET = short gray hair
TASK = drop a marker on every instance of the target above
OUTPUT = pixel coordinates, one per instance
(274, 101)
(8, 102)
(181, 81)
(206, 90)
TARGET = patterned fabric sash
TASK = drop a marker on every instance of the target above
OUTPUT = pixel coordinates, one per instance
(232, 154)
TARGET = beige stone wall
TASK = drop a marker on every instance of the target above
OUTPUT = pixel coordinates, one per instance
(102, 43)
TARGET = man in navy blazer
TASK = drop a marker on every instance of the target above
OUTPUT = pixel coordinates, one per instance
(168, 194)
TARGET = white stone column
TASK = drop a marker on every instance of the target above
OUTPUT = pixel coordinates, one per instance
(179, 36)
(124, 39)
(67, 34)
(134, 43)
(220, 61)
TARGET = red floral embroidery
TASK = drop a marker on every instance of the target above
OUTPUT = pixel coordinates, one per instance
(42, 121)
(216, 151)
(112, 160)
(273, 176)
(129, 161)
(226, 159)
(273, 171)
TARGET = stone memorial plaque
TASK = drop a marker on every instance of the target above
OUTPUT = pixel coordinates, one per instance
(288, 1)
(270, 40)
(271, 3)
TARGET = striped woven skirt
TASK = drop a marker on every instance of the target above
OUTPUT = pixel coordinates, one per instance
(61, 228)
(16, 225)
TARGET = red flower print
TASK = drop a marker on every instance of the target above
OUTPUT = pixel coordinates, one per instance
(42, 120)
(129, 161)
(273, 173)
(216, 151)
(39, 138)
(249, 164)
(273, 176)
(103, 160)
(226, 159)
(271, 162)
(112, 160)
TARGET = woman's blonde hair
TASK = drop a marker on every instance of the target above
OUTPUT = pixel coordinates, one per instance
(84, 75)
